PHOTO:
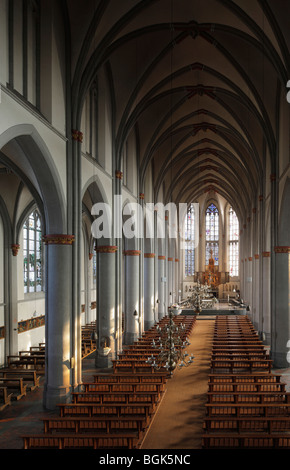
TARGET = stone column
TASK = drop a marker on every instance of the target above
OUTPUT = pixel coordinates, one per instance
(132, 310)
(177, 283)
(12, 320)
(106, 304)
(170, 280)
(266, 297)
(256, 291)
(281, 321)
(60, 350)
(161, 286)
(149, 296)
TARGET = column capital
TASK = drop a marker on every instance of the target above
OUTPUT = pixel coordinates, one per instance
(170, 259)
(119, 174)
(261, 198)
(161, 257)
(132, 252)
(282, 249)
(176, 260)
(58, 239)
(106, 249)
(266, 254)
(273, 177)
(77, 135)
(141, 195)
(250, 258)
(149, 255)
(15, 247)
(257, 256)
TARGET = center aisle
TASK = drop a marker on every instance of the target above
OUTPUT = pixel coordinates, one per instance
(178, 422)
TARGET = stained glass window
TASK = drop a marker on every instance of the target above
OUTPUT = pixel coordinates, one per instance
(212, 234)
(233, 243)
(189, 241)
(32, 253)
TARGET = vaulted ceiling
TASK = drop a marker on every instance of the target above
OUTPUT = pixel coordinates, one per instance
(198, 81)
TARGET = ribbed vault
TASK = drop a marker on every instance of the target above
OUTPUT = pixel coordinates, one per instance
(198, 82)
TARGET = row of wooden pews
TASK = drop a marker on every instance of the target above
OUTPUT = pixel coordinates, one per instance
(247, 405)
(88, 339)
(134, 357)
(25, 369)
(114, 410)
(21, 375)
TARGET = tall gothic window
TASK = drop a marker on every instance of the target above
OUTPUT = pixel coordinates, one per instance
(189, 241)
(24, 49)
(233, 243)
(32, 253)
(212, 234)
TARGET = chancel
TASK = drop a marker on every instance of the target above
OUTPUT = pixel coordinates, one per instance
(144, 189)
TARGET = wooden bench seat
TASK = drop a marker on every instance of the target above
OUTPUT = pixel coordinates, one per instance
(110, 424)
(248, 397)
(123, 377)
(31, 361)
(93, 409)
(246, 387)
(30, 377)
(123, 387)
(237, 348)
(131, 364)
(249, 364)
(240, 355)
(80, 441)
(262, 377)
(141, 356)
(229, 343)
(250, 441)
(248, 409)
(36, 353)
(15, 385)
(246, 424)
(111, 398)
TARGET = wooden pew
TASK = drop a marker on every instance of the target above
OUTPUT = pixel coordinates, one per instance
(248, 364)
(111, 398)
(254, 424)
(117, 409)
(119, 378)
(29, 376)
(110, 424)
(15, 385)
(134, 365)
(249, 409)
(79, 441)
(240, 396)
(244, 378)
(157, 388)
(250, 441)
(31, 361)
